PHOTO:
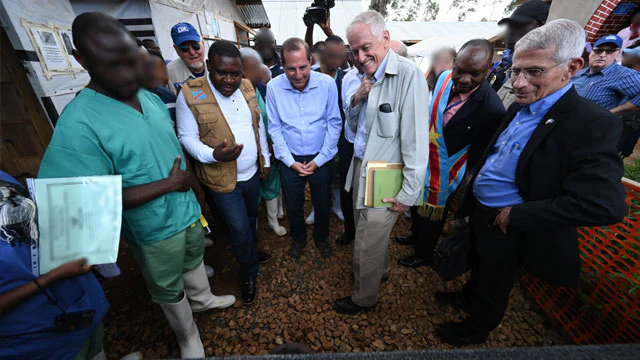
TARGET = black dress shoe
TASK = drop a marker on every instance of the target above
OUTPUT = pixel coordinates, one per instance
(248, 290)
(346, 306)
(413, 261)
(461, 333)
(344, 239)
(263, 257)
(405, 240)
(458, 300)
(325, 249)
(295, 251)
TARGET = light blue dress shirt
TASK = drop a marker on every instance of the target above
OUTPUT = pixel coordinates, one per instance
(495, 186)
(360, 143)
(350, 84)
(304, 122)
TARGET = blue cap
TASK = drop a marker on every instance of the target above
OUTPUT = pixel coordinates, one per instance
(613, 39)
(634, 52)
(182, 32)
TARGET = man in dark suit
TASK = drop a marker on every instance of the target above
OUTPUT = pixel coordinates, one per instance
(551, 168)
(463, 110)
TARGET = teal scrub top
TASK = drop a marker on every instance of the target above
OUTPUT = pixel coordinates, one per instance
(98, 135)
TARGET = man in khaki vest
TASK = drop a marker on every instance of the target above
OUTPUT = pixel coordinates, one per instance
(219, 125)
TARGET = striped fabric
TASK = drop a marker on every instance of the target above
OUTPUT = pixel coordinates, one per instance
(610, 86)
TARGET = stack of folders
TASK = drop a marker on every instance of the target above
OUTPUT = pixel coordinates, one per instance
(383, 180)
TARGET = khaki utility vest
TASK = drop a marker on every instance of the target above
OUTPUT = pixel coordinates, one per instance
(219, 176)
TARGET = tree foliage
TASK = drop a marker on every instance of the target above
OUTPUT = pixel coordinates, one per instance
(416, 10)
(465, 7)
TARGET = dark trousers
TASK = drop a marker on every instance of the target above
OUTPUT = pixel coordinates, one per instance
(239, 209)
(293, 187)
(426, 233)
(345, 151)
(496, 260)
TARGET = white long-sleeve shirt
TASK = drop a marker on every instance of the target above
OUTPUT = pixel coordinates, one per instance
(238, 115)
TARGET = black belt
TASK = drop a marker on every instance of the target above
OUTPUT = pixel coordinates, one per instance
(487, 210)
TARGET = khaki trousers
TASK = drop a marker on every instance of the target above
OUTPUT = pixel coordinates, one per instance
(371, 248)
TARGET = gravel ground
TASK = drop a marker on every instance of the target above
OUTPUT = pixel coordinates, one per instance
(295, 304)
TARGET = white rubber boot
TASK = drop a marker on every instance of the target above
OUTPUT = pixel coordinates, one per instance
(280, 208)
(272, 217)
(181, 322)
(196, 285)
(311, 219)
(336, 204)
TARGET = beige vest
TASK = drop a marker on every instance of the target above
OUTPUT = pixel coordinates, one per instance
(213, 127)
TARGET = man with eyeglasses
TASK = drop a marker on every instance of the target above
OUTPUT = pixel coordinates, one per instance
(605, 82)
(190, 48)
(551, 167)
(219, 124)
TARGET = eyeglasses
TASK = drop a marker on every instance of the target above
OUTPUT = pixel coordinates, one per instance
(608, 51)
(529, 73)
(185, 47)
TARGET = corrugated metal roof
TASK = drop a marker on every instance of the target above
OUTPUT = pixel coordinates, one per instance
(254, 15)
(286, 18)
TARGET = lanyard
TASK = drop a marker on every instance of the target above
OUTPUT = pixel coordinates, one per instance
(453, 105)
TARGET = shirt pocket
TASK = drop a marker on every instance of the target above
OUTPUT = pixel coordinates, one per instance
(387, 124)
(508, 162)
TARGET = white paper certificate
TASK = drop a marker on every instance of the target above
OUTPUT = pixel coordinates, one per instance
(78, 217)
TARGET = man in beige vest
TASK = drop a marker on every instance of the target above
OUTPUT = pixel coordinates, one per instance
(219, 125)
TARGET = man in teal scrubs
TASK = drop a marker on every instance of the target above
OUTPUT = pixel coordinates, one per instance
(115, 127)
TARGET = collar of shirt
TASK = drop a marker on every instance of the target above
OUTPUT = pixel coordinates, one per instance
(611, 67)
(311, 84)
(543, 105)
(230, 100)
(381, 69)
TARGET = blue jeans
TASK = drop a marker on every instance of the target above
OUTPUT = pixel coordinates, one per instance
(239, 209)
(293, 187)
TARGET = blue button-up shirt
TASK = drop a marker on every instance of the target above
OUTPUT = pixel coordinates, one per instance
(495, 186)
(304, 122)
(361, 131)
(610, 86)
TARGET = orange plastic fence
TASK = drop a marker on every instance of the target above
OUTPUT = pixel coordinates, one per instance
(605, 308)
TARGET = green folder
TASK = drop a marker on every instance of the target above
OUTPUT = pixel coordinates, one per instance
(387, 183)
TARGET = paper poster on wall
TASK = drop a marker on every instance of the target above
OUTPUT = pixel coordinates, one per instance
(67, 40)
(54, 46)
(212, 28)
(227, 29)
(50, 49)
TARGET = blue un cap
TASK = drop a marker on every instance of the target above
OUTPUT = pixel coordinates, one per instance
(182, 32)
(613, 39)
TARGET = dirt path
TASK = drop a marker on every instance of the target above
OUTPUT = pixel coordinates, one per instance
(295, 304)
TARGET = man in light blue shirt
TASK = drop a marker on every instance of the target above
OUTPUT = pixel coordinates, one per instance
(304, 125)
(552, 166)
(495, 186)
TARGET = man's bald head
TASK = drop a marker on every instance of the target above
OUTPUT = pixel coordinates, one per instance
(86, 25)
(399, 48)
(480, 50)
(109, 53)
(265, 44)
(472, 65)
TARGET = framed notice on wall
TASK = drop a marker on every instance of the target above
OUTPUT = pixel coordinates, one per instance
(54, 46)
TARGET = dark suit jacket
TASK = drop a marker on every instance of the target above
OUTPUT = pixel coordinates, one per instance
(569, 175)
(474, 123)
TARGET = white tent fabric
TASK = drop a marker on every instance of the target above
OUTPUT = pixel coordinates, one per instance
(436, 35)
